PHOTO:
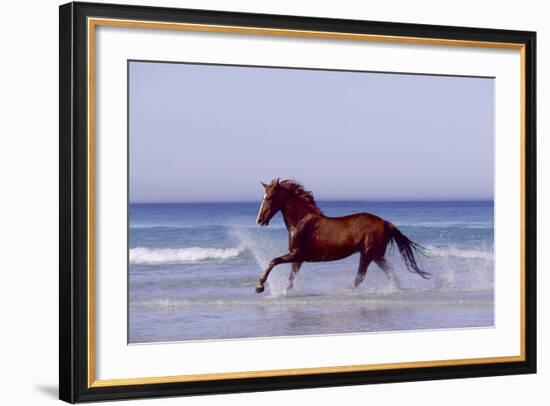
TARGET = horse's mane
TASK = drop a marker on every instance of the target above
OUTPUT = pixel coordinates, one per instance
(300, 193)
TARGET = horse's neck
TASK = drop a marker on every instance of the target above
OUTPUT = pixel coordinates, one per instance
(294, 212)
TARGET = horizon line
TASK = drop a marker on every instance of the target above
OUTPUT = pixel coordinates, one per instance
(382, 200)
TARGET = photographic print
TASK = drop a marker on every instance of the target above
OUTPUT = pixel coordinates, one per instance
(273, 201)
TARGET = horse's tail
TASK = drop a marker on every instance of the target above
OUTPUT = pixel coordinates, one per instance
(407, 249)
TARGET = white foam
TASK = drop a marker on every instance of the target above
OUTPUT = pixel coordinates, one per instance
(446, 224)
(459, 253)
(350, 298)
(154, 256)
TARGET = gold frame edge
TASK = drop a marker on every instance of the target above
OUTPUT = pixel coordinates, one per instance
(91, 25)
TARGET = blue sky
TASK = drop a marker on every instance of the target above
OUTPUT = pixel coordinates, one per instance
(206, 133)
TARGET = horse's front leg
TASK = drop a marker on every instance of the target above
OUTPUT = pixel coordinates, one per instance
(290, 257)
(294, 271)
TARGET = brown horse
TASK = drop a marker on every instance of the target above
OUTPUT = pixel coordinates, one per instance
(314, 237)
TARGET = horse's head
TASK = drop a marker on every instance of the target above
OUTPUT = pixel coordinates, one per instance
(271, 202)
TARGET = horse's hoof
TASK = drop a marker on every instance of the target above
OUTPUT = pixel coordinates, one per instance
(259, 289)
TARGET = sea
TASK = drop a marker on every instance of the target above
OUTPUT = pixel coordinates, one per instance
(193, 268)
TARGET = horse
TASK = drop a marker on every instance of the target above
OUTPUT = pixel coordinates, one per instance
(314, 237)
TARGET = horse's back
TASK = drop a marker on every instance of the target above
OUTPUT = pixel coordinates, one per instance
(352, 221)
(337, 237)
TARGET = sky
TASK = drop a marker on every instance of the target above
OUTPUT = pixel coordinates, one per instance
(211, 133)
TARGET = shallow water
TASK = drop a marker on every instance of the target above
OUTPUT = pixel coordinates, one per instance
(193, 269)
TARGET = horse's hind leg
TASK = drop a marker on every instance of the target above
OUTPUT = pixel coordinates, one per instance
(364, 262)
(294, 271)
(388, 271)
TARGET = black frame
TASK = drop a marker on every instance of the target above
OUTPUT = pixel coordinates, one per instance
(73, 289)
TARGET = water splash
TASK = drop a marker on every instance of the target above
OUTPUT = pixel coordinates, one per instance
(264, 248)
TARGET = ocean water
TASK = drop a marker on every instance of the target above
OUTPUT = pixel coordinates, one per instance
(193, 268)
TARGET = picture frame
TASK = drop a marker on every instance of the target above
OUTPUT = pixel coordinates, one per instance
(79, 157)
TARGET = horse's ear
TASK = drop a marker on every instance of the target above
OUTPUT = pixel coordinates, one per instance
(264, 185)
(278, 181)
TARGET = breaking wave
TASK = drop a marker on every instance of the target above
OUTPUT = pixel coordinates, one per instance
(447, 224)
(155, 256)
(459, 253)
